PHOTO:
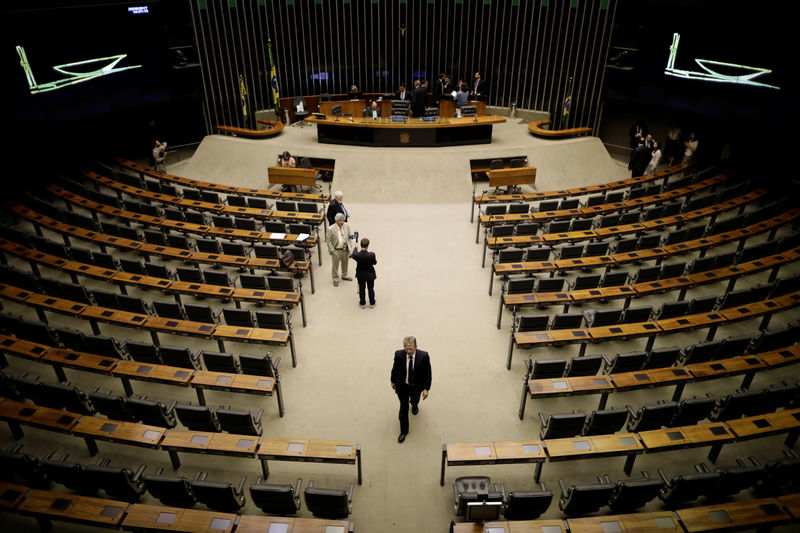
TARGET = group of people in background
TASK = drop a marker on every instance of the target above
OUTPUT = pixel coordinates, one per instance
(443, 89)
(646, 151)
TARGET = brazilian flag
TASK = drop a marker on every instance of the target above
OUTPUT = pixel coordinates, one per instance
(567, 104)
(273, 80)
(243, 97)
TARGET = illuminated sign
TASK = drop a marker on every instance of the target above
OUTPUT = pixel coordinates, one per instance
(715, 71)
(138, 10)
(78, 72)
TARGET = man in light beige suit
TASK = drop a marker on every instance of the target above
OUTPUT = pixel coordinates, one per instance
(339, 246)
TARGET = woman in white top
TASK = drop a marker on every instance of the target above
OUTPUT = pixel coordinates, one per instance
(654, 159)
(691, 147)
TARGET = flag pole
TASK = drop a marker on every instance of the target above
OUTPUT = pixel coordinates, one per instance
(273, 81)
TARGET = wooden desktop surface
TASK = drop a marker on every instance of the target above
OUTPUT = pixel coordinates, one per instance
(517, 526)
(160, 518)
(261, 524)
(411, 123)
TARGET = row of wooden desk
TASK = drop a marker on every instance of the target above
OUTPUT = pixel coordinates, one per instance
(45, 505)
(650, 254)
(601, 209)
(638, 290)
(125, 371)
(497, 243)
(578, 191)
(176, 288)
(302, 240)
(152, 324)
(174, 441)
(216, 187)
(628, 445)
(759, 514)
(166, 252)
(658, 377)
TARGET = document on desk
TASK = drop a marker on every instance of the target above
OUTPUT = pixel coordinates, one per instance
(334, 529)
(301, 237)
(278, 527)
(277, 236)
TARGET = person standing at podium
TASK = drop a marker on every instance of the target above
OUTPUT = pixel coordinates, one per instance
(479, 88)
(402, 94)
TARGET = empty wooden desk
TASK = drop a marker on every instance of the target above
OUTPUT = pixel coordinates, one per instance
(557, 387)
(229, 444)
(143, 518)
(787, 421)
(45, 504)
(308, 450)
(303, 177)
(489, 453)
(93, 428)
(517, 526)
(593, 447)
(626, 523)
(715, 435)
(733, 516)
(16, 413)
(282, 524)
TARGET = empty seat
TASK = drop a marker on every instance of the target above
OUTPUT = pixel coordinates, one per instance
(208, 246)
(259, 365)
(240, 422)
(143, 352)
(663, 357)
(548, 368)
(702, 352)
(222, 279)
(119, 483)
(469, 489)
(672, 310)
(248, 224)
(632, 315)
(153, 413)
(191, 275)
(238, 317)
(328, 503)
(591, 281)
(588, 365)
(702, 305)
(113, 406)
(584, 498)
(169, 310)
(220, 362)
(569, 203)
(527, 504)
(170, 490)
(567, 321)
(691, 411)
(23, 468)
(625, 362)
(608, 317)
(219, 495)
(70, 474)
(581, 224)
(594, 249)
(561, 425)
(685, 488)
(158, 271)
(569, 252)
(738, 404)
(529, 228)
(201, 313)
(601, 422)
(276, 499)
(614, 279)
(631, 494)
(651, 416)
(181, 357)
(198, 418)
(560, 226)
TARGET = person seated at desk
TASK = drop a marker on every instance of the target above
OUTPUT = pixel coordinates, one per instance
(373, 111)
(354, 94)
(287, 160)
(402, 94)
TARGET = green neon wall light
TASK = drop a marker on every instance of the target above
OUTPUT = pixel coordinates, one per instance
(738, 74)
(76, 71)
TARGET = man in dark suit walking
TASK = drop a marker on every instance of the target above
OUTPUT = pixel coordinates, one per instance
(419, 98)
(365, 273)
(410, 379)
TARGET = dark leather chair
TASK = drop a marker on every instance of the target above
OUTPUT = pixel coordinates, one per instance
(180, 357)
(548, 368)
(67, 473)
(220, 362)
(65, 396)
(737, 478)
(143, 352)
(201, 313)
(242, 318)
(663, 357)
(587, 365)
(169, 310)
(692, 411)
(170, 490)
(240, 422)
(118, 483)
(631, 494)
(584, 498)
(651, 416)
(685, 488)
(561, 426)
(198, 418)
(526, 504)
(23, 468)
(219, 495)
(625, 362)
(607, 317)
(605, 421)
(99, 344)
(276, 499)
(328, 503)
(113, 406)
(153, 413)
(259, 365)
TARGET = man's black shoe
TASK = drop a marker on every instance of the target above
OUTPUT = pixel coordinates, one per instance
(401, 438)
(414, 409)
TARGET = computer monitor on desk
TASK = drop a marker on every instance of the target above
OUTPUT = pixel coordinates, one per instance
(336, 110)
(469, 111)
(484, 511)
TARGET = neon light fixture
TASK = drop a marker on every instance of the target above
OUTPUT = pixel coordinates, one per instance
(76, 71)
(738, 74)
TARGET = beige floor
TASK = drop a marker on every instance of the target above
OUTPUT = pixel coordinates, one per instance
(414, 205)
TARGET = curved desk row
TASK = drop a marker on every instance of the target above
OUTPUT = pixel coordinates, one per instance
(275, 127)
(410, 132)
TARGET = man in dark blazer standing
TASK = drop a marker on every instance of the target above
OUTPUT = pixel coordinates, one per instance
(479, 89)
(336, 206)
(365, 273)
(419, 98)
(410, 379)
(402, 94)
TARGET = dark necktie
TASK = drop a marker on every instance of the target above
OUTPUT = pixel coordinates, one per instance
(410, 371)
